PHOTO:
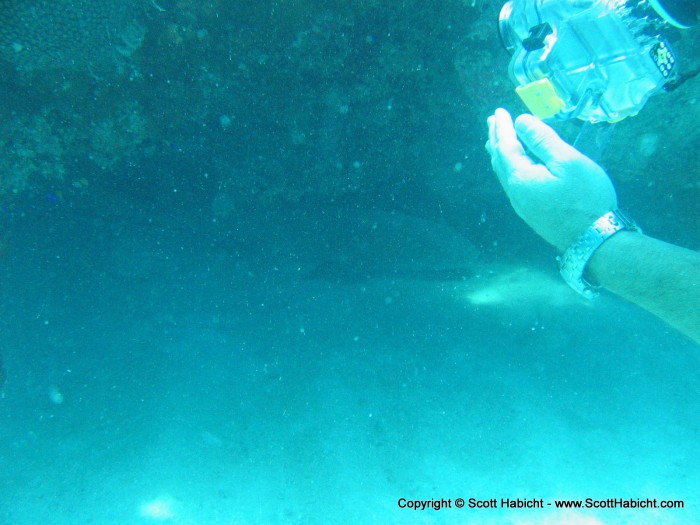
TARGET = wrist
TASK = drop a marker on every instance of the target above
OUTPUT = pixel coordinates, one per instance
(608, 261)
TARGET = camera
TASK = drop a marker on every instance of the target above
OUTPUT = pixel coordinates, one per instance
(595, 60)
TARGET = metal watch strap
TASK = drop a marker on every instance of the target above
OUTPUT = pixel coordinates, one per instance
(573, 261)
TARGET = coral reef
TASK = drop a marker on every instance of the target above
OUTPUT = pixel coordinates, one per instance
(31, 154)
(276, 102)
(67, 34)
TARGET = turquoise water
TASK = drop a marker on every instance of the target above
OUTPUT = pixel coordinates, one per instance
(320, 304)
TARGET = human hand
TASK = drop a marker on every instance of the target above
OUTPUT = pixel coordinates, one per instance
(558, 197)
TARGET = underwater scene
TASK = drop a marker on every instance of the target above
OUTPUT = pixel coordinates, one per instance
(256, 267)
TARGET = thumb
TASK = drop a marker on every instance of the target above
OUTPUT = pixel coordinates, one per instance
(541, 140)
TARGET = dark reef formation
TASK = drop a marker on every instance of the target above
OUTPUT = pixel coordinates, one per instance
(271, 101)
(68, 34)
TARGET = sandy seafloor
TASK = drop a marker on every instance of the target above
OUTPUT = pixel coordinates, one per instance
(152, 379)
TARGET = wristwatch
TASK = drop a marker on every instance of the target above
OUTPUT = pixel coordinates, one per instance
(573, 261)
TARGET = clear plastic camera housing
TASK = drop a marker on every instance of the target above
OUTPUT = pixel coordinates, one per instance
(600, 57)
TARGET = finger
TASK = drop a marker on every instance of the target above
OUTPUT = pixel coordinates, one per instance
(542, 140)
(491, 146)
(497, 162)
(501, 128)
(504, 141)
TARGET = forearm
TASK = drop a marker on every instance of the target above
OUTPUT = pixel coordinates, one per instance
(660, 277)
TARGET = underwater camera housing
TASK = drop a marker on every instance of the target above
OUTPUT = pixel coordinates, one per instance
(596, 60)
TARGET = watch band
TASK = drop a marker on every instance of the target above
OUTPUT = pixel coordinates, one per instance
(573, 261)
